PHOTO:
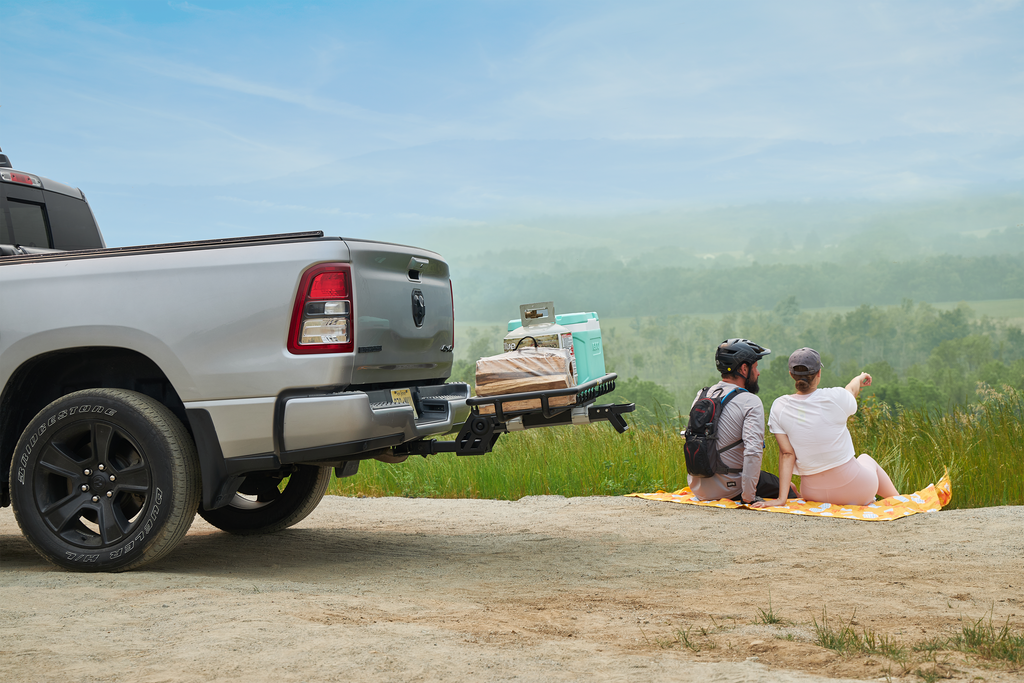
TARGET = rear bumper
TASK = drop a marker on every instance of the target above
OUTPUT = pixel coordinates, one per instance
(345, 424)
(300, 426)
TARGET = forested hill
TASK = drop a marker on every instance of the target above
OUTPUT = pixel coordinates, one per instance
(492, 293)
(921, 357)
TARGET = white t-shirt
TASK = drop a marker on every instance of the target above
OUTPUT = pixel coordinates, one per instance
(816, 426)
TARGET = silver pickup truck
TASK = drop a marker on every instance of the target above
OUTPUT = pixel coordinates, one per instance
(139, 385)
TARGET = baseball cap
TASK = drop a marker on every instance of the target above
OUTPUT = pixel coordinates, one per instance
(805, 358)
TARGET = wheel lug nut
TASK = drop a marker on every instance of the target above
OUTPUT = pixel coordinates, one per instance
(95, 499)
(100, 467)
(85, 487)
(112, 477)
(87, 472)
(110, 494)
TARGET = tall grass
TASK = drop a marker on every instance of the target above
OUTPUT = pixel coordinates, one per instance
(592, 460)
(982, 447)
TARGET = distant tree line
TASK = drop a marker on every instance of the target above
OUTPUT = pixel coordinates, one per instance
(920, 357)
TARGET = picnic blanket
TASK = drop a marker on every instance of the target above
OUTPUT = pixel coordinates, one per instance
(930, 499)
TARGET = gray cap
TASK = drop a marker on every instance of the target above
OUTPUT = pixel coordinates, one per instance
(807, 359)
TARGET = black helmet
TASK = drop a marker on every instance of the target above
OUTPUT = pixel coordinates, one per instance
(732, 353)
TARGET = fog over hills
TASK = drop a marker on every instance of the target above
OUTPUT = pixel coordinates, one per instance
(840, 253)
(767, 232)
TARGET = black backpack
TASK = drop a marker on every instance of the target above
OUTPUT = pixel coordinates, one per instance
(701, 436)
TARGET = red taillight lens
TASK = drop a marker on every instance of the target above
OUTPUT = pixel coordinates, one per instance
(322, 314)
(328, 286)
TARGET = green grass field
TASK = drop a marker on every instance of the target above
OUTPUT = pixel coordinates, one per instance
(982, 447)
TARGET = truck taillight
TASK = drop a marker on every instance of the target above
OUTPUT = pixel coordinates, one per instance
(322, 316)
(451, 290)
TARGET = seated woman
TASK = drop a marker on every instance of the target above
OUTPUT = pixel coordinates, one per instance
(814, 442)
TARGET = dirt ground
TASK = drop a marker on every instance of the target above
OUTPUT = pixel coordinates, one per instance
(541, 589)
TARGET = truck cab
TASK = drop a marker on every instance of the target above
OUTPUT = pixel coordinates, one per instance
(37, 213)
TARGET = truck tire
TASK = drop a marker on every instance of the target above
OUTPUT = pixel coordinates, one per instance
(105, 480)
(267, 502)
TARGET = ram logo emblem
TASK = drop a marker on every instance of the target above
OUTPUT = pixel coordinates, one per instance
(419, 307)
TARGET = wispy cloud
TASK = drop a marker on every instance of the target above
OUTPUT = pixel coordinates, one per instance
(197, 75)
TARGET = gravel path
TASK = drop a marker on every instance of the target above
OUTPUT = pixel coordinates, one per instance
(541, 589)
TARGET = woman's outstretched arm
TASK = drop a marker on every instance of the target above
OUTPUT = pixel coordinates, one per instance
(787, 459)
(861, 380)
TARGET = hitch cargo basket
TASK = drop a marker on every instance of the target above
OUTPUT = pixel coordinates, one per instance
(481, 431)
(584, 393)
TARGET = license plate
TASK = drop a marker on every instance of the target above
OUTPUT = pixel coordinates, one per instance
(403, 396)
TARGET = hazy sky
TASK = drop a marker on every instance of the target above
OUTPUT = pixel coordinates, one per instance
(187, 120)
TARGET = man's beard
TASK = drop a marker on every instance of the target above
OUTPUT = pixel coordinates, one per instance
(751, 385)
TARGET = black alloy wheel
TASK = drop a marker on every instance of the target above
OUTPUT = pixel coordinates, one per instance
(105, 480)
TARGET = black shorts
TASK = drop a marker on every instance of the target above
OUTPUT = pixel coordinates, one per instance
(768, 488)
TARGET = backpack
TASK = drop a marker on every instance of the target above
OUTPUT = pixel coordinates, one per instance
(701, 436)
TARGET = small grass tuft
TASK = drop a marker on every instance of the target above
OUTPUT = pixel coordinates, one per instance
(698, 638)
(690, 640)
(883, 644)
(768, 617)
(990, 642)
(842, 638)
(930, 645)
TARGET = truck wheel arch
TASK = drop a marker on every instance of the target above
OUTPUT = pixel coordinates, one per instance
(47, 377)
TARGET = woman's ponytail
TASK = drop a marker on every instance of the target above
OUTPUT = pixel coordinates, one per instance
(804, 382)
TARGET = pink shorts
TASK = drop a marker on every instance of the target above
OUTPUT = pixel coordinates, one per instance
(848, 484)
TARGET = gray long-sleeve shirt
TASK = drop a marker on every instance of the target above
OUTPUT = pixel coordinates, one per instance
(743, 414)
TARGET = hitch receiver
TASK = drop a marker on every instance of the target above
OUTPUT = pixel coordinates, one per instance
(481, 432)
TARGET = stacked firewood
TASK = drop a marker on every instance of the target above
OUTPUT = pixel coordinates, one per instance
(528, 369)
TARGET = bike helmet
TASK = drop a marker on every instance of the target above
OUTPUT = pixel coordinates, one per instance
(732, 353)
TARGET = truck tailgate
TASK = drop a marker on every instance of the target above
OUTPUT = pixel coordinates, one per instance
(404, 323)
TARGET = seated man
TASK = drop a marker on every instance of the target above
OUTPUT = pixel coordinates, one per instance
(742, 421)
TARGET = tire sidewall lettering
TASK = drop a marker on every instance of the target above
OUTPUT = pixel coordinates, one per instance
(154, 513)
(50, 422)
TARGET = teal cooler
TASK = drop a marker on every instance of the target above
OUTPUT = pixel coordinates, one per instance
(586, 342)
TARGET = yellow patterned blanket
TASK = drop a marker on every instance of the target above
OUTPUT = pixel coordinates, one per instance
(930, 499)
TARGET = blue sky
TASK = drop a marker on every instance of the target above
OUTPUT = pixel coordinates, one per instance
(186, 120)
